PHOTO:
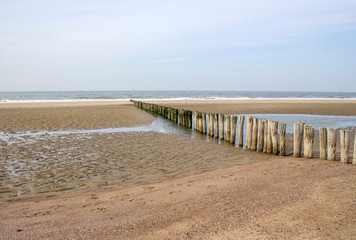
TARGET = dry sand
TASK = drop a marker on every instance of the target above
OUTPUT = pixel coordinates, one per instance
(267, 197)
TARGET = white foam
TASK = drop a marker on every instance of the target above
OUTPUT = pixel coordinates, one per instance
(167, 99)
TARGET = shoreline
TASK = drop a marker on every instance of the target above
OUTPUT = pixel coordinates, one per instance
(185, 188)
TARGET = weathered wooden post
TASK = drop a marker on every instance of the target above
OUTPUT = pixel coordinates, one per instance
(184, 118)
(265, 135)
(274, 129)
(169, 113)
(344, 142)
(241, 131)
(200, 122)
(323, 138)
(249, 129)
(180, 116)
(282, 138)
(354, 157)
(216, 125)
(227, 126)
(233, 129)
(331, 144)
(221, 127)
(204, 122)
(298, 137)
(269, 136)
(260, 141)
(308, 141)
(208, 124)
(211, 125)
(254, 134)
(174, 115)
(189, 119)
(195, 120)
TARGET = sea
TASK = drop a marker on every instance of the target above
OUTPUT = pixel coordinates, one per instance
(87, 96)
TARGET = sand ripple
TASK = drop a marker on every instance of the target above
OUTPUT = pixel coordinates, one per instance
(83, 162)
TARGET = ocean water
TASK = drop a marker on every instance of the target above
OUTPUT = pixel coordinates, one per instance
(84, 96)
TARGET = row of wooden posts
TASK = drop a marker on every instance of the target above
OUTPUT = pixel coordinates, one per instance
(261, 135)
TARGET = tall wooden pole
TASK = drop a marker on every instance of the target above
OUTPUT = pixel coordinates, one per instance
(344, 142)
(209, 126)
(216, 125)
(233, 129)
(274, 129)
(254, 134)
(227, 126)
(249, 129)
(241, 131)
(265, 135)
(189, 119)
(260, 135)
(298, 137)
(221, 126)
(331, 144)
(323, 138)
(204, 122)
(308, 141)
(269, 136)
(282, 138)
(200, 122)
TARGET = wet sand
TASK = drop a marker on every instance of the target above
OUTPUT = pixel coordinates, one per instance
(82, 189)
(64, 116)
(320, 107)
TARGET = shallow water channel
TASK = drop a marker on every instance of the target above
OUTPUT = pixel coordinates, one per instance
(165, 126)
(59, 161)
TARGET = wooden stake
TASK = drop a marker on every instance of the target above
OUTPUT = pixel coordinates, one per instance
(331, 144)
(265, 135)
(274, 135)
(282, 138)
(344, 142)
(308, 141)
(249, 129)
(254, 134)
(216, 125)
(233, 129)
(227, 126)
(269, 136)
(241, 131)
(298, 138)
(221, 127)
(199, 122)
(323, 137)
(189, 119)
(260, 140)
(211, 124)
(204, 122)
(208, 124)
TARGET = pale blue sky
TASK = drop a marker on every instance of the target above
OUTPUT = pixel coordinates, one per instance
(302, 45)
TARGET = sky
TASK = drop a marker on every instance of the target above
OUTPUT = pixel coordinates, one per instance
(255, 45)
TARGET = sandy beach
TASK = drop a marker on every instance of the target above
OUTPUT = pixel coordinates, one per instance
(154, 185)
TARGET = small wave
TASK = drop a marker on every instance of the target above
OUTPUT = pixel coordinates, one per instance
(209, 98)
(99, 98)
(64, 100)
